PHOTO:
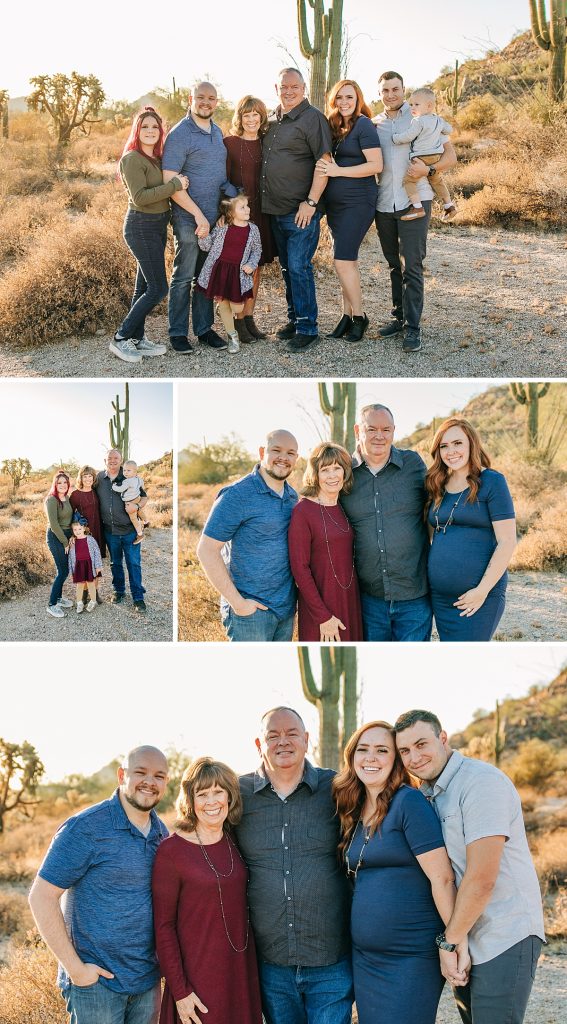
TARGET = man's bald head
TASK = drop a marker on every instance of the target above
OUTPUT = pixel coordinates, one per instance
(140, 754)
(278, 454)
(205, 99)
(143, 777)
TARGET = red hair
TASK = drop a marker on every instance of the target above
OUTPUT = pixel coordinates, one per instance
(439, 473)
(133, 140)
(334, 116)
(53, 492)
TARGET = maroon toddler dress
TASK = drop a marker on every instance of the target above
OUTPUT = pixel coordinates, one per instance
(243, 170)
(321, 552)
(83, 571)
(88, 505)
(224, 282)
(194, 951)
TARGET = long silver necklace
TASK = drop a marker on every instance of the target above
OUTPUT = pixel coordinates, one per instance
(255, 164)
(353, 872)
(347, 530)
(442, 527)
(218, 875)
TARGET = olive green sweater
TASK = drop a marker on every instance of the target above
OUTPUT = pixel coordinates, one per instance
(144, 184)
(59, 517)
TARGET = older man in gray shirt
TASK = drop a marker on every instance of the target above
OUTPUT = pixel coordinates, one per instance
(498, 912)
(403, 242)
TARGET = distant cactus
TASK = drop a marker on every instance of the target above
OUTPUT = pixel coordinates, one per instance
(4, 113)
(341, 411)
(72, 102)
(338, 680)
(529, 394)
(452, 94)
(17, 470)
(324, 53)
(119, 429)
(551, 35)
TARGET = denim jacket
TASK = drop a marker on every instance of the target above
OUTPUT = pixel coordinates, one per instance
(213, 244)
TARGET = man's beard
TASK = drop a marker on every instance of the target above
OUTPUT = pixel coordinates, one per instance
(277, 476)
(205, 117)
(140, 807)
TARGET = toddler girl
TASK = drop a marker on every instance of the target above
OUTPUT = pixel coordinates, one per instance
(234, 249)
(85, 562)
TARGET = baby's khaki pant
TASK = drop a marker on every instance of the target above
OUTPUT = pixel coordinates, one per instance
(436, 181)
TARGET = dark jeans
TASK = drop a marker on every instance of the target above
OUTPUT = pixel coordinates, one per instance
(498, 990)
(123, 549)
(260, 626)
(187, 264)
(307, 995)
(404, 246)
(145, 235)
(98, 1004)
(61, 564)
(296, 248)
(396, 620)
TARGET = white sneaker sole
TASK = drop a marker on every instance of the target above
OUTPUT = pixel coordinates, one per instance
(127, 357)
(56, 615)
(159, 350)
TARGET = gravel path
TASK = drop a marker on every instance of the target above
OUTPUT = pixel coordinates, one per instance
(536, 607)
(25, 617)
(548, 1001)
(496, 305)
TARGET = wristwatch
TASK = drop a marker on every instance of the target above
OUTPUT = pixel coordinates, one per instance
(442, 943)
(311, 202)
(431, 171)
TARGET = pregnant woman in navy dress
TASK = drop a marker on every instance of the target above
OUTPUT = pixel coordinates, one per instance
(321, 550)
(473, 529)
(404, 887)
(350, 196)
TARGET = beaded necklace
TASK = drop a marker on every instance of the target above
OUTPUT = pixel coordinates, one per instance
(218, 875)
(342, 529)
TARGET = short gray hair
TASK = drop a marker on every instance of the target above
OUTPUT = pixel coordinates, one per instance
(374, 407)
(288, 71)
(281, 707)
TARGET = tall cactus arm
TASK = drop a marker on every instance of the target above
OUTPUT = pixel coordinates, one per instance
(540, 28)
(304, 41)
(308, 683)
(518, 392)
(331, 674)
(544, 389)
(324, 398)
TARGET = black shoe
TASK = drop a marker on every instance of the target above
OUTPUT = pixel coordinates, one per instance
(344, 325)
(117, 598)
(140, 606)
(213, 340)
(390, 329)
(287, 332)
(358, 329)
(179, 343)
(412, 339)
(300, 342)
(241, 328)
(254, 330)
(98, 598)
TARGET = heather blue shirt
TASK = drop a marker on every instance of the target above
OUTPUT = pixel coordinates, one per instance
(253, 520)
(105, 864)
(201, 155)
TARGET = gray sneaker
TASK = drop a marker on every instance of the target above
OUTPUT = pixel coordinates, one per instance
(125, 349)
(64, 602)
(150, 348)
(56, 611)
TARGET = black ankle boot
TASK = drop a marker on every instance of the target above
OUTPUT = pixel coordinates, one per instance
(253, 329)
(344, 325)
(358, 329)
(242, 331)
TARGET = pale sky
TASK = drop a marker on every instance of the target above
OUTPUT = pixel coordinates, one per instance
(208, 699)
(250, 408)
(46, 422)
(134, 45)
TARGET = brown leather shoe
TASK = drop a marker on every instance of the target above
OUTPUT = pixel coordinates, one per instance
(254, 330)
(241, 329)
(414, 213)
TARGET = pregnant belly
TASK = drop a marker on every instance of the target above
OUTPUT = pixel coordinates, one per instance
(393, 918)
(457, 561)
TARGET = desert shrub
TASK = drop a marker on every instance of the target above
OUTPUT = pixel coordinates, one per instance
(28, 993)
(24, 560)
(15, 915)
(26, 169)
(22, 216)
(545, 544)
(533, 765)
(550, 856)
(214, 463)
(479, 113)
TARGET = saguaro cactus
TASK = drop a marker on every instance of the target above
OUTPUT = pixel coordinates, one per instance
(529, 395)
(335, 698)
(551, 35)
(453, 92)
(4, 97)
(341, 411)
(119, 429)
(324, 53)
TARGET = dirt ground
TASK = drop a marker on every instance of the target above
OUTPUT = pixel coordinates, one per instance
(496, 305)
(26, 618)
(548, 1001)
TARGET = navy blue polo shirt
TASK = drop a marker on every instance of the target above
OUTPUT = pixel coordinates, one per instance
(105, 864)
(201, 156)
(252, 520)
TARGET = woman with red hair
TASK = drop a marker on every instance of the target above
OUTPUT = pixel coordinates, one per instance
(403, 884)
(473, 534)
(350, 196)
(59, 515)
(145, 231)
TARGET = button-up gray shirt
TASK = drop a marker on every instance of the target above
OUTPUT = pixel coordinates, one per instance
(475, 800)
(299, 897)
(392, 195)
(386, 512)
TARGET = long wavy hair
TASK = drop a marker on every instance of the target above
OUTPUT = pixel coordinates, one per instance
(439, 473)
(53, 490)
(133, 140)
(248, 105)
(350, 793)
(334, 116)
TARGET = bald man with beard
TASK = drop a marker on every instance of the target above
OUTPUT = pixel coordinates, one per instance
(100, 861)
(243, 548)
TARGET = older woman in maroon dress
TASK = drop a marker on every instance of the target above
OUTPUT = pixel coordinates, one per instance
(321, 550)
(244, 164)
(204, 942)
(85, 500)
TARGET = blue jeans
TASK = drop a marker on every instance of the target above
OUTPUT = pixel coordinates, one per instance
(98, 1004)
(307, 995)
(122, 549)
(61, 564)
(296, 248)
(396, 620)
(261, 625)
(187, 264)
(145, 235)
